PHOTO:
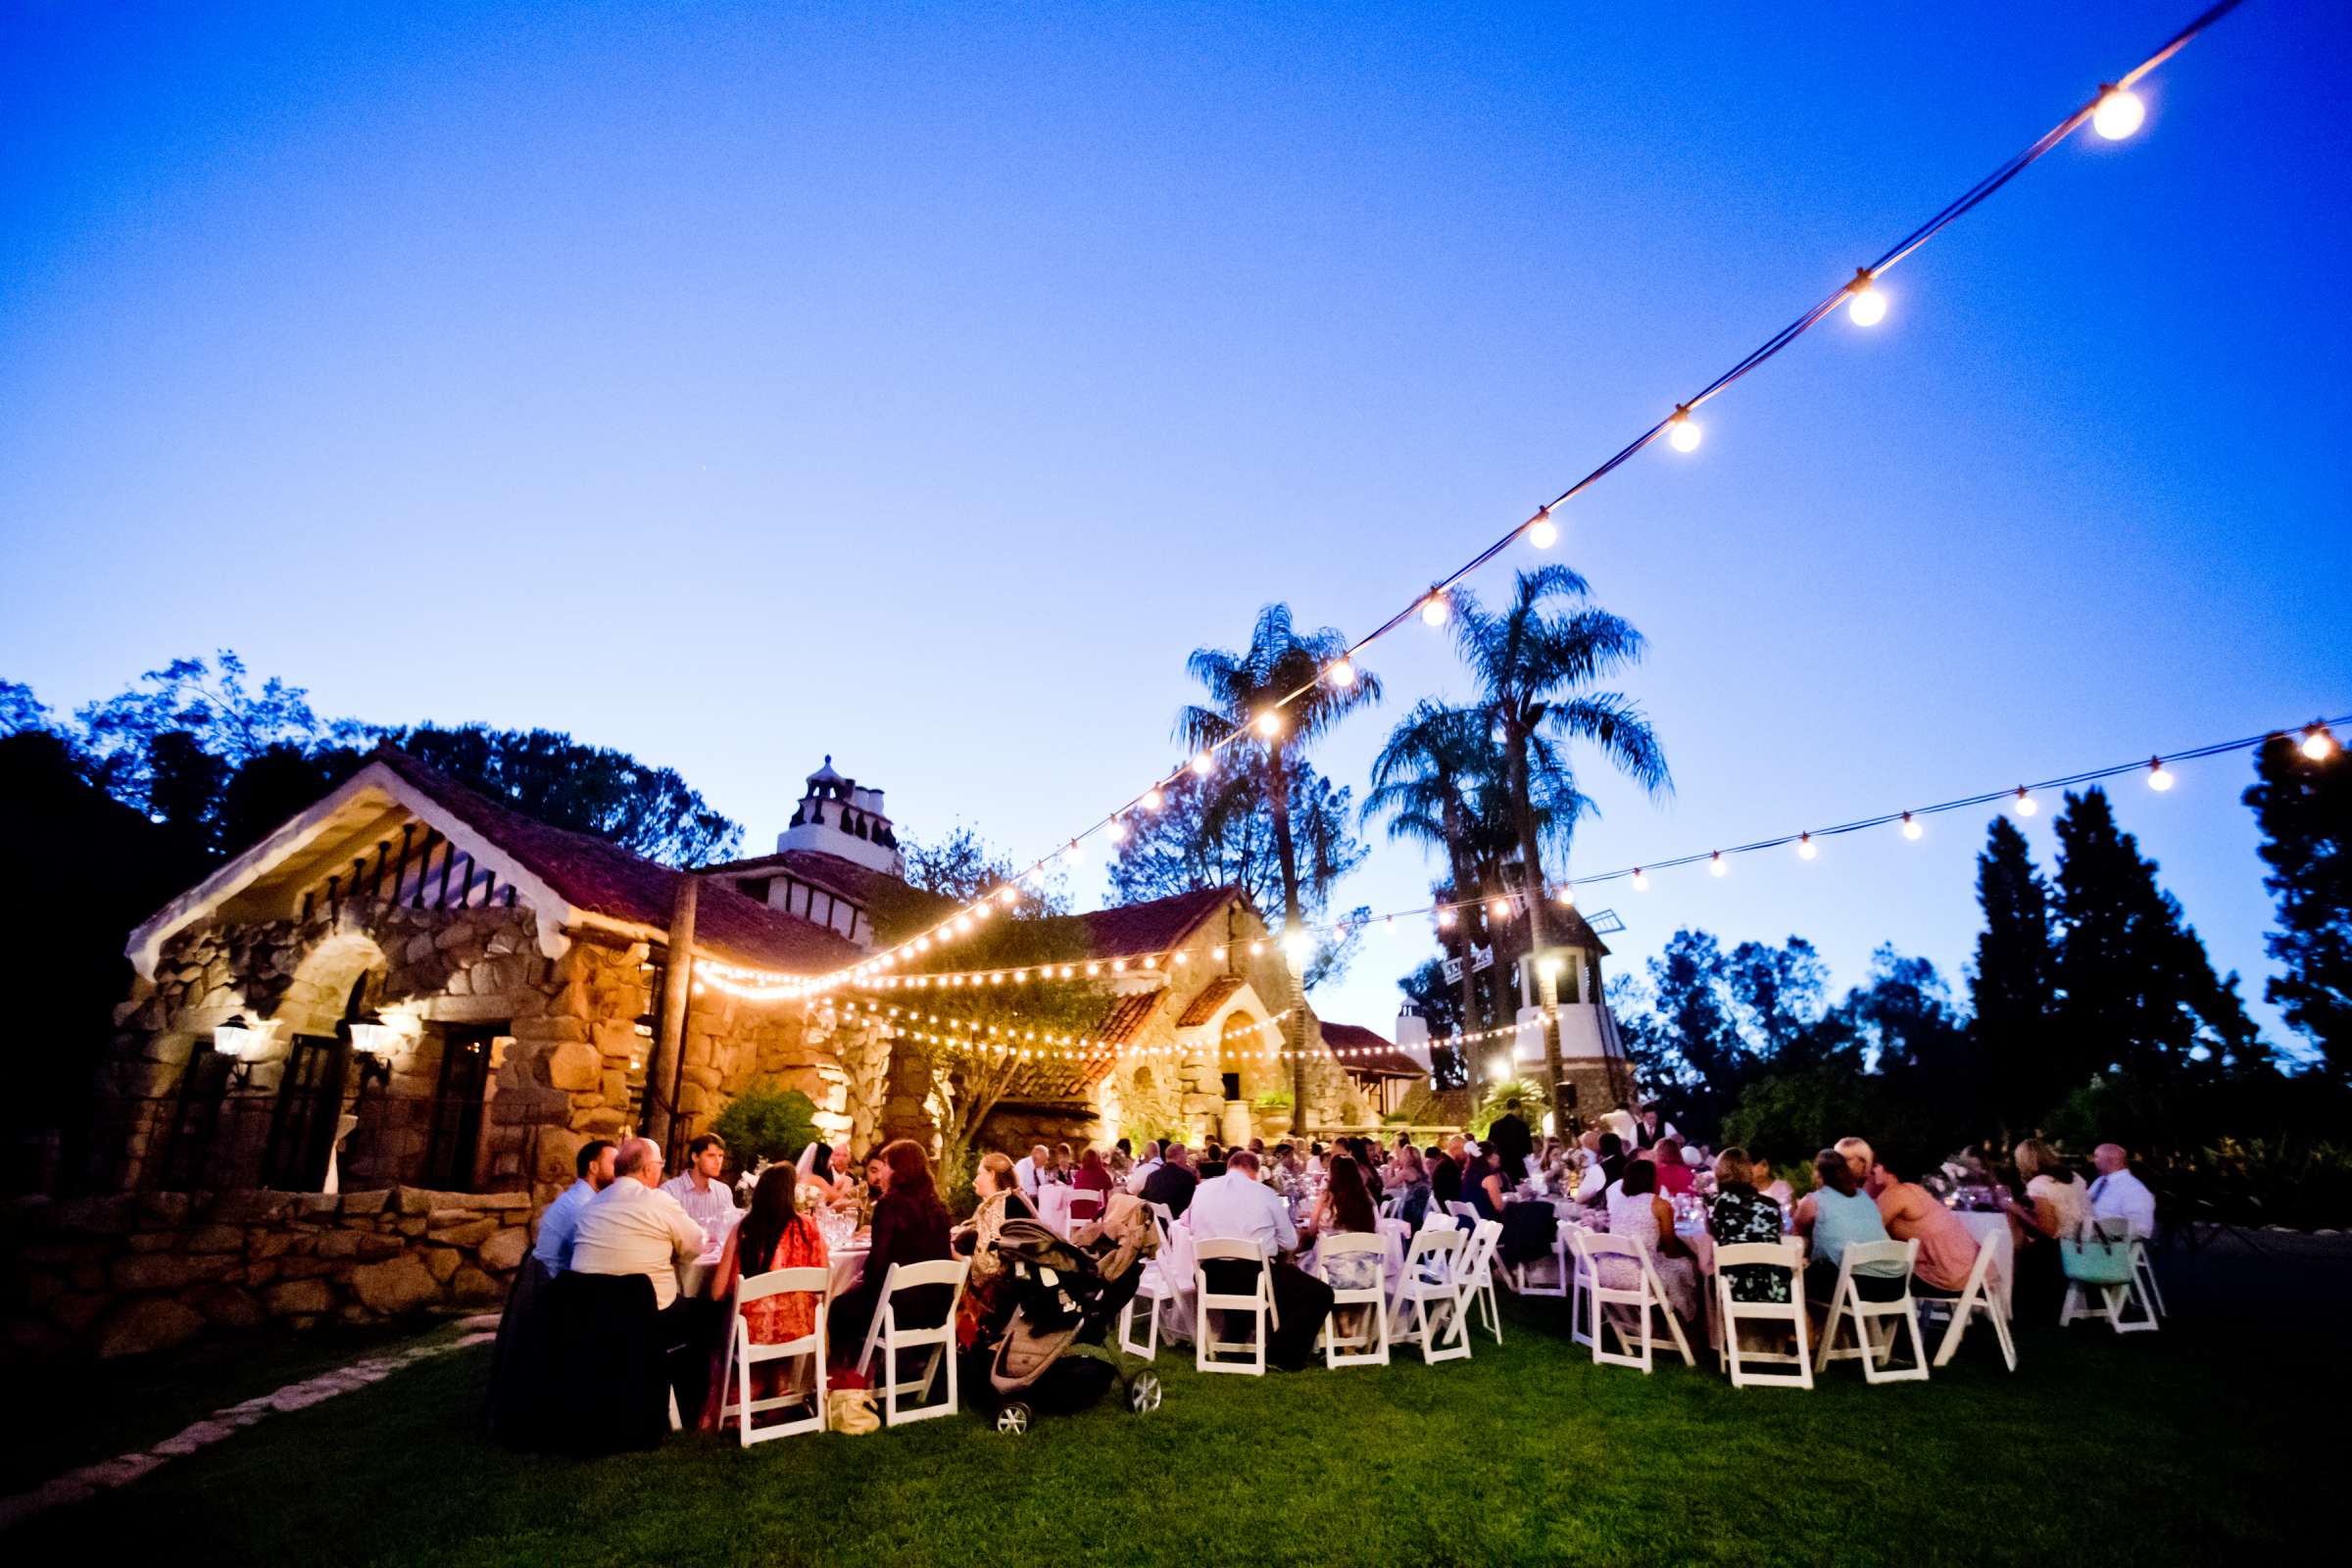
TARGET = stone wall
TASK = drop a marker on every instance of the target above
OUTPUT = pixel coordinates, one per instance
(123, 1275)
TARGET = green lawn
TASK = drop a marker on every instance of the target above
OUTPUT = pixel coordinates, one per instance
(2152, 1448)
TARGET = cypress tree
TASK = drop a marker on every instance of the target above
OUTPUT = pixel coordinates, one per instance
(2304, 809)
(2009, 986)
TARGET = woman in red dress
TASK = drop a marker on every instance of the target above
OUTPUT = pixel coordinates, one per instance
(1089, 1188)
(772, 1235)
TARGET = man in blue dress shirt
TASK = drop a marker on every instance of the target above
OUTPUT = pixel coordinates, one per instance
(560, 1222)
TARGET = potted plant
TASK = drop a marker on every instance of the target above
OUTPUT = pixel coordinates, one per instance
(1273, 1112)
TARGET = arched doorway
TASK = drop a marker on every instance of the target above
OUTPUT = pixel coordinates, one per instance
(328, 994)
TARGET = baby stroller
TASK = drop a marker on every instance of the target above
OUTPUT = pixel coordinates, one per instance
(1052, 1357)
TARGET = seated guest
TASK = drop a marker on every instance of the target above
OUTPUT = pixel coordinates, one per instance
(1030, 1171)
(708, 1200)
(1090, 1188)
(1444, 1180)
(1213, 1161)
(1065, 1164)
(2057, 1203)
(1858, 1157)
(560, 1222)
(635, 1228)
(1411, 1187)
(773, 1235)
(1173, 1183)
(1485, 1186)
(1947, 1250)
(1120, 1164)
(1237, 1206)
(984, 1302)
(1145, 1163)
(2116, 1193)
(1601, 1177)
(1737, 1216)
(1773, 1186)
(1636, 1210)
(909, 1227)
(1674, 1176)
(1346, 1206)
(816, 1170)
(1836, 1215)
(1368, 1166)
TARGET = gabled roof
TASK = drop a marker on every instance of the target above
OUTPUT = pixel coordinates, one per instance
(861, 885)
(569, 878)
(1156, 925)
(1362, 1049)
(1211, 997)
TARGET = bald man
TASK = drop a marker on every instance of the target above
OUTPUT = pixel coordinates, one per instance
(633, 1227)
(2116, 1192)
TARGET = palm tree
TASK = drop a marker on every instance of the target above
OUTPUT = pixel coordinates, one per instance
(1244, 686)
(1435, 781)
(1534, 661)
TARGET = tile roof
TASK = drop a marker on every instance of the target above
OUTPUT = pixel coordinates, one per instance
(1153, 926)
(1052, 1082)
(590, 873)
(1204, 1007)
(1362, 1049)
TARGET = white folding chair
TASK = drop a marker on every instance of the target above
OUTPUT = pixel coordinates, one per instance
(1878, 1326)
(1370, 1346)
(2143, 1272)
(1474, 1276)
(888, 1338)
(1789, 1254)
(816, 1282)
(1580, 1286)
(1610, 1303)
(1209, 1351)
(1427, 1307)
(1467, 1214)
(2111, 1235)
(1151, 1292)
(1980, 1295)
(1435, 1221)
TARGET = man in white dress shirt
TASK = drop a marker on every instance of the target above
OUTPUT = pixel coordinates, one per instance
(1030, 1170)
(634, 1227)
(1144, 1167)
(699, 1189)
(2117, 1191)
(1237, 1206)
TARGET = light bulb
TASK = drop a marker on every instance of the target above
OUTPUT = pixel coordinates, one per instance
(1205, 763)
(1299, 948)
(1911, 827)
(1499, 908)
(1073, 854)
(2317, 743)
(2159, 778)
(1008, 897)
(1437, 607)
(1806, 848)
(2027, 806)
(1863, 304)
(1153, 800)
(1544, 533)
(1117, 830)
(2118, 113)
(1444, 919)
(1715, 864)
(1341, 674)
(1269, 722)
(1567, 898)
(1681, 431)
(1641, 882)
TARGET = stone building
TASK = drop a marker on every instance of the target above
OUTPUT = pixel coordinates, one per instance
(411, 982)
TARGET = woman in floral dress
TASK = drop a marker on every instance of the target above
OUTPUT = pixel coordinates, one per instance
(1738, 1214)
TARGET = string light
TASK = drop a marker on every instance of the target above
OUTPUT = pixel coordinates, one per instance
(2027, 806)
(1716, 864)
(2120, 112)
(1269, 723)
(2115, 112)
(1153, 800)
(2317, 743)
(1865, 304)
(2159, 779)
(1567, 896)
(1341, 674)
(1542, 531)
(1681, 431)
(1499, 908)
(1911, 827)
(1805, 850)
(1641, 882)
(1117, 830)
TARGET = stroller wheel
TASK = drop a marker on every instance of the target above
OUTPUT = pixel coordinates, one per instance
(1013, 1419)
(1143, 1394)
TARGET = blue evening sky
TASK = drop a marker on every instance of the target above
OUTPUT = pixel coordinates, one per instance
(918, 384)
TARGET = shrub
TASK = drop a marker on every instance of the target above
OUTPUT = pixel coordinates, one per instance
(766, 1121)
(1499, 1095)
(1274, 1099)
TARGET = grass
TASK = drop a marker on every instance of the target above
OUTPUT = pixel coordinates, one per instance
(2153, 1448)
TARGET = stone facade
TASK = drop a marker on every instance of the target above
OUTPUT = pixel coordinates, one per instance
(126, 1274)
(567, 1039)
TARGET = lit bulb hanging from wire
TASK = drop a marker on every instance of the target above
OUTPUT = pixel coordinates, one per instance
(1681, 431)
(1542, 533)
(1438, 607)
(1341, 674)
(2160, 777)
(2027, 806)
(2120, 112)
(1717, 866)
(1911, 827)
(2317, 743)
(1865, 304)
(1806, 848)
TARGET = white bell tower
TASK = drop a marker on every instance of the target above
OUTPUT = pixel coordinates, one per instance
(837, 817)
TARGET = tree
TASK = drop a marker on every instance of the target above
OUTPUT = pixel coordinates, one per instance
(2135, 987)
(1246, 692)
(2010, 984)
(1695, 1023)
(1779, 993)
(20, 710)
(647, 811)
(2304, 809)
(1438, 783)
(213, 705)
(1535, 662)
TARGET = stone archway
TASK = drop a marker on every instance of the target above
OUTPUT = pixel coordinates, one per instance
(310, 1060)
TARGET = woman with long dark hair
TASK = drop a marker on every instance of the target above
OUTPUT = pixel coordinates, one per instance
(772, 1235)
(910, 1225)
